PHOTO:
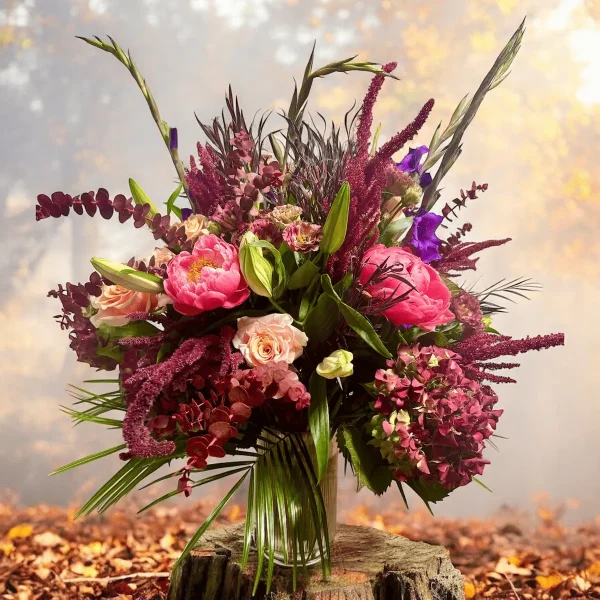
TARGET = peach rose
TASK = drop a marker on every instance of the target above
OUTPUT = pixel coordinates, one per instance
(162, 256)
(116, 302)
(271, 338)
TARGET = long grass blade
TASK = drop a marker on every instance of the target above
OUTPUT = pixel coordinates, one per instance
(88, 459)
(250, 520)
(196, 484)
(213, 515)
(211, 467)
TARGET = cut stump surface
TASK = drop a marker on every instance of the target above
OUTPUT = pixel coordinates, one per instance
(367, 564)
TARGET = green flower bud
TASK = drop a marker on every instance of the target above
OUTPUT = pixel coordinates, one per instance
(257, 270)
(337, 364)
(127, 277)
(412, 195)
(214, 227)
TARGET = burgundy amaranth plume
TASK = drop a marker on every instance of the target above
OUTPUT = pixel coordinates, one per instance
(457, 257)
(481, 347)
(144, 387)
(207, 188)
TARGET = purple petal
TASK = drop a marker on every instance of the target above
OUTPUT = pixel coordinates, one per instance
(173, 142)
(411, 163)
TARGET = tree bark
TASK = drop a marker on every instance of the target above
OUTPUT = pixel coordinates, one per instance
(367, 564)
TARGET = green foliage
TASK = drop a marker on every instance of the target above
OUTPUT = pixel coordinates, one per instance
(393, 230)
(334, 230)
(356, 321)
(430, 493)
(453, 287)
(321, 320)
(303, 276)
(462, 117)
(369, 467)
(318, 421)
(209, 520)
(165, 131)
(88, 459)
(171, 208)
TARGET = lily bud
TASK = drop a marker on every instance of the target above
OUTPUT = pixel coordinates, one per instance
(257, 270)
(127, 277)
(337, 364)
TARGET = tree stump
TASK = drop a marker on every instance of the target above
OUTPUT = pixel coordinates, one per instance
(367, 564)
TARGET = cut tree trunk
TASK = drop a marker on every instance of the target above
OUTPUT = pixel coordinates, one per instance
(367, 564)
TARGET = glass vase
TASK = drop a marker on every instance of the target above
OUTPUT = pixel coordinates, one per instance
(298, 498)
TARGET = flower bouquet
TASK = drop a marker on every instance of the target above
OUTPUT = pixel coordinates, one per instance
(305, 302)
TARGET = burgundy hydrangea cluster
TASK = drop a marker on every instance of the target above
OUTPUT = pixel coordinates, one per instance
(59, 205)
(367, 177)
(433, 420)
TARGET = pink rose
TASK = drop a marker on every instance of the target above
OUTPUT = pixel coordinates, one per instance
(116, 302)
(271, 338)
(206, 279)
(425, 306)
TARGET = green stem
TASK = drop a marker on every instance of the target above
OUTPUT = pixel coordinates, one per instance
(163, 127)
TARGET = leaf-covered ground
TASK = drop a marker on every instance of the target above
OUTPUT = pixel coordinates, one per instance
(45, 555)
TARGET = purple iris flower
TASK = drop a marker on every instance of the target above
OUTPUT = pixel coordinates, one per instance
(411, 163)
(424, 240)
(186, 213)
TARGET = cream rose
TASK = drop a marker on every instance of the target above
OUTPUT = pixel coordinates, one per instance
(116, 302)
(195, 226)
(271, 338)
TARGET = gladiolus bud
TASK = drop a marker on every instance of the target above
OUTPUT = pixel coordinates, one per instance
(257, 270)
(127, 277)
(337, 364)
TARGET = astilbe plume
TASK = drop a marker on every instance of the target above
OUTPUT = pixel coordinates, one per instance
(483, 346)
(60, 204)
(367, 179)
(432, 419)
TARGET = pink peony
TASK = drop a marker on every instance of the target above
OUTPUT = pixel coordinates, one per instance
(384, 274)
(206, 279)
(116, 302)
(271, 338)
